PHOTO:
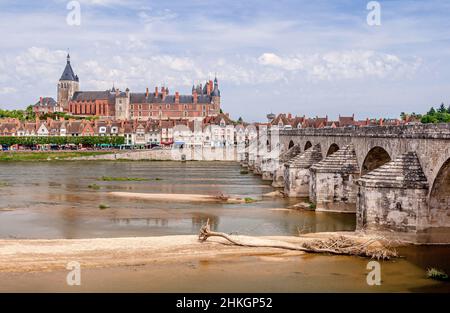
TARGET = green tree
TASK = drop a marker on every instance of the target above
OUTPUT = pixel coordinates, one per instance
(432, 111)
(29, 113)
(442, 108)
(426, 119)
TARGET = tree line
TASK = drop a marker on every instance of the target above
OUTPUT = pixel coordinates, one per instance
(61, 140)
(439, 115)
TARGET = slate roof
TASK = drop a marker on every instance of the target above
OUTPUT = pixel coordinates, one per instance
(91, 95)
(138, 98)
(68, 73)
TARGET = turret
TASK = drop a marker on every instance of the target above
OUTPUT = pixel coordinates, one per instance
(215, 96)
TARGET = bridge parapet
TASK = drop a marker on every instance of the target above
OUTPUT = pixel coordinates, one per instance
(420, 131)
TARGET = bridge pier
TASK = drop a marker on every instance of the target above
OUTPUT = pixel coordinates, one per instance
(251, 161)
(267, 168)
(297, 174)
(393, 197)
(332, 187)
(278, 172)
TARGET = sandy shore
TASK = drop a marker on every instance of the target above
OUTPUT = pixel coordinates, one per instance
(175, 197)
(49, 255)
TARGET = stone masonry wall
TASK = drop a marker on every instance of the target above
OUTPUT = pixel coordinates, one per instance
(333, 192)
(391, 208)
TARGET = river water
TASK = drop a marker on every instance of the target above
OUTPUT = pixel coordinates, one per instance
(53, 200)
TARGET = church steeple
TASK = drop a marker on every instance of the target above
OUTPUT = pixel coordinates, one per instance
(68, 84)
(68, 73)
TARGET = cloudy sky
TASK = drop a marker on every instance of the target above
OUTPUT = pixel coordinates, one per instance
(304, 57)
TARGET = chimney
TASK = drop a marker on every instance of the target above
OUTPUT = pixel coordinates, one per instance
(195, 97)
(41, 100)
(146, 93)
(156, 92)
(38, 122)
(117, 91)
(177, 97)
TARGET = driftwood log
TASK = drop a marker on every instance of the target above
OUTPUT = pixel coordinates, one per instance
(341, 245)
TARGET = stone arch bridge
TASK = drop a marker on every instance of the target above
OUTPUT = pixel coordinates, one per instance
(393, 177)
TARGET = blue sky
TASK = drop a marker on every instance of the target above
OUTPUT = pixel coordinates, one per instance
(304, 57)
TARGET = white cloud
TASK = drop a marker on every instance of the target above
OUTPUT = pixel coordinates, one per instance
(7, 90)
(354, 64)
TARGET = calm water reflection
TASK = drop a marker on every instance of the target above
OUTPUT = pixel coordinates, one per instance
(53, 200)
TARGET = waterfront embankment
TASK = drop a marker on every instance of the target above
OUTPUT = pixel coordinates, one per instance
(47, 155)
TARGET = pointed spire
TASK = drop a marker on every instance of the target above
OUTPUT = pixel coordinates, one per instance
(68, 73)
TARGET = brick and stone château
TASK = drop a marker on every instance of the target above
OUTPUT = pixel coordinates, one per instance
(149, 105)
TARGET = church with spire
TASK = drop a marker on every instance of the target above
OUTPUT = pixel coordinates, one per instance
(158, 104)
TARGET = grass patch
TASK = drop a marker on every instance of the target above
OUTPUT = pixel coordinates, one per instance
(3, 184)
(94, 186)
(157, 179)
(108, 178)
(436, 274)
(249, 200)
(312, 206)
(103, 206)
(244, 172)
(45, 155)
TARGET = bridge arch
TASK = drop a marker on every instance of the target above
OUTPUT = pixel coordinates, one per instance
(440, 194)
(332, 149)
(291, 144)
(375, 158)
(308, 145)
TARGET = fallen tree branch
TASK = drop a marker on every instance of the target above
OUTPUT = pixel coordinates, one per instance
(339, 245)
